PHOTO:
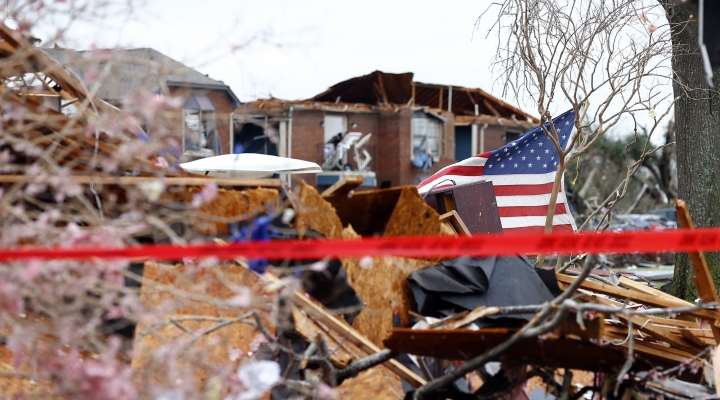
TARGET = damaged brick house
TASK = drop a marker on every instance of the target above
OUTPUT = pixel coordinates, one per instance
(202, 127)
(408, 120)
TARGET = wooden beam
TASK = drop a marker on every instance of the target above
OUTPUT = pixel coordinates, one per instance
(492, 109)
(631, 284)
(703, 279)
(637, 297)
(344, 186)
(170, 181)
(440, 99)
(646, 326)
(413, 93)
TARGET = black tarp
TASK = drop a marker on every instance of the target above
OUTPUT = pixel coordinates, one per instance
(467, 283)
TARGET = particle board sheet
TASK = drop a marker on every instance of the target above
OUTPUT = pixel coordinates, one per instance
(313, 212)
(384, 290)
(371, 384)
(463, 344)
(230, 206)
(367, 212)
(412, 216)
(19, 387)
(398, 211)
(176, 292)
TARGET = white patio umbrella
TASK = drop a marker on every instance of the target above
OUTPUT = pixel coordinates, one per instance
(249, 166)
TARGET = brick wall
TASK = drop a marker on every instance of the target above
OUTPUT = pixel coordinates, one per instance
(223, 108)
(390, 144)
(308, 137)
(494, 137)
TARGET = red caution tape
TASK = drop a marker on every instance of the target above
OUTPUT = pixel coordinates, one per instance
(417, 246)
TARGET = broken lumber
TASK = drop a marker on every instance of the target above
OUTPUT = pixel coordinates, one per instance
(703, 280)
(344, 186)
(637, 297)
(463, 344)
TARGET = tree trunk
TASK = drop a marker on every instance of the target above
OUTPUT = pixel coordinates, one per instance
(697, 125)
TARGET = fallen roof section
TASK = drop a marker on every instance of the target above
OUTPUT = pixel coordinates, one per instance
(382, 88)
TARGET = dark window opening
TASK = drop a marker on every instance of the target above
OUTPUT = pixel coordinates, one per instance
(511, 135)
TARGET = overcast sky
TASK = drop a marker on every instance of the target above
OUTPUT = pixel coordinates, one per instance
(302, 47)
(293, 49)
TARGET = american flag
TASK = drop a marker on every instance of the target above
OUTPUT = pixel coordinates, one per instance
(523, 173)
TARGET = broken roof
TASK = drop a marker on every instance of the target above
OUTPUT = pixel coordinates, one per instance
(381, 91)
(382, 88)
(133, 69)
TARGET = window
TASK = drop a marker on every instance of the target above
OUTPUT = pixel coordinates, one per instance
(511, 136)
(426, 135)
(200, 138)
(333, 125)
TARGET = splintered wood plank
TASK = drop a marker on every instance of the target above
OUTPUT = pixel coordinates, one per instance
(344, 186)
(703, 280)
(463, 344)
(631, 284)
(637, 297)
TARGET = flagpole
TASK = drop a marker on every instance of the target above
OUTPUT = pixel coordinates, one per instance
(559, 174)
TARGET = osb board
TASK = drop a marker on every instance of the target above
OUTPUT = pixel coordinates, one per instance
(367, 212)
(384, 289)
(373, 384)
(341, 355)
(229, 205)
(412, 216)
(313, 212)
(212, 354)
(18, 387)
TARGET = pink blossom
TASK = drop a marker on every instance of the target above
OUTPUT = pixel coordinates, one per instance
(256, 378)
(206, 195)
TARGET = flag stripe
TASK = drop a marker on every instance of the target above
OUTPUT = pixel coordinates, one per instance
(517, 190)
(540, 229)
(531, 200)
(530, 211)
(515, 222)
